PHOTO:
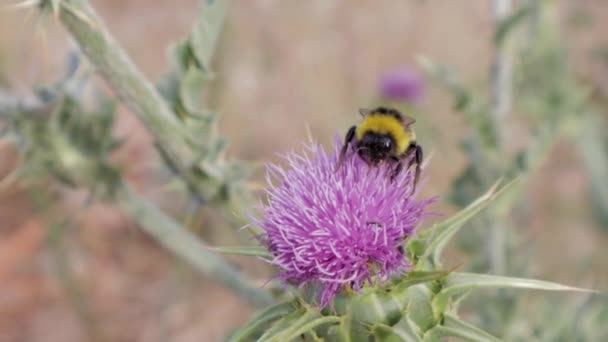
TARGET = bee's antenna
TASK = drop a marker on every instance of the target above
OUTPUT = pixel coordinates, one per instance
(350, 135)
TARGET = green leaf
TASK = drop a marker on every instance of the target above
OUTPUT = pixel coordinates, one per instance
(440, 234)
(593, 149)
(453, 326)
(269, 315)
(457, 283)
(207, 31)
(245, 250)
(191, 90)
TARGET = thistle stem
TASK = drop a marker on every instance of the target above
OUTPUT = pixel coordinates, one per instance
(187, 246)
(501, 73)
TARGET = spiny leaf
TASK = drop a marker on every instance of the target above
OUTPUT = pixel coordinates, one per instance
(438, 235)
(457, 283)
(207, 31)
(270, 314)
(462, 279)
(245, 250)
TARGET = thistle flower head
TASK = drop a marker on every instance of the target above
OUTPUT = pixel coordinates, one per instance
(402, 84)
(337, 228)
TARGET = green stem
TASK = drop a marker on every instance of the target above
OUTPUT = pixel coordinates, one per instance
(139, 95)
(592, 149)
(502, 70)
(187, 245)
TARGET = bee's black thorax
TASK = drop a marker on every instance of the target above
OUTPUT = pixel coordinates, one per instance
(375, 147)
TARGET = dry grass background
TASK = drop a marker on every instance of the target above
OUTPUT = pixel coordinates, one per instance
(282, 65)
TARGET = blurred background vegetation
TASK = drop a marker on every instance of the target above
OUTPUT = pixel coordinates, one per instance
(74, 267)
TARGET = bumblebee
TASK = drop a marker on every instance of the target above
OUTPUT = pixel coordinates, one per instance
(384, 135)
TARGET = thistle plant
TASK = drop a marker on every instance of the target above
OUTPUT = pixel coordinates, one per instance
(354, 249)
(350, 240)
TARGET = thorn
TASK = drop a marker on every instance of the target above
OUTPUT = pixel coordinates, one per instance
(250, 230)
(244, 227)
(496, 185)
(19, 5)
(455, 267)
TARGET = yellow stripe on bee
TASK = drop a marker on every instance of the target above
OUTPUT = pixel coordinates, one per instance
(386, 124)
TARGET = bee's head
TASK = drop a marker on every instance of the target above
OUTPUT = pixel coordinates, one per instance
(374, 148)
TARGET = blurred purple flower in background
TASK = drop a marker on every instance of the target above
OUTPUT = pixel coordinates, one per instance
(337, 228)
(402, 84)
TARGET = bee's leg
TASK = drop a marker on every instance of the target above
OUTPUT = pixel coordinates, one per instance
(350, 135)
(397, 169)
(418, 160)
(409, 155)
(414, 155)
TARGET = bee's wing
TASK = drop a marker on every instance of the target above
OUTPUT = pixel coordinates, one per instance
(408, 120)
(364, 111)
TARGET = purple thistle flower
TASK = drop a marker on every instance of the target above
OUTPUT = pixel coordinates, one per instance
(402, 84)
(338, 228)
